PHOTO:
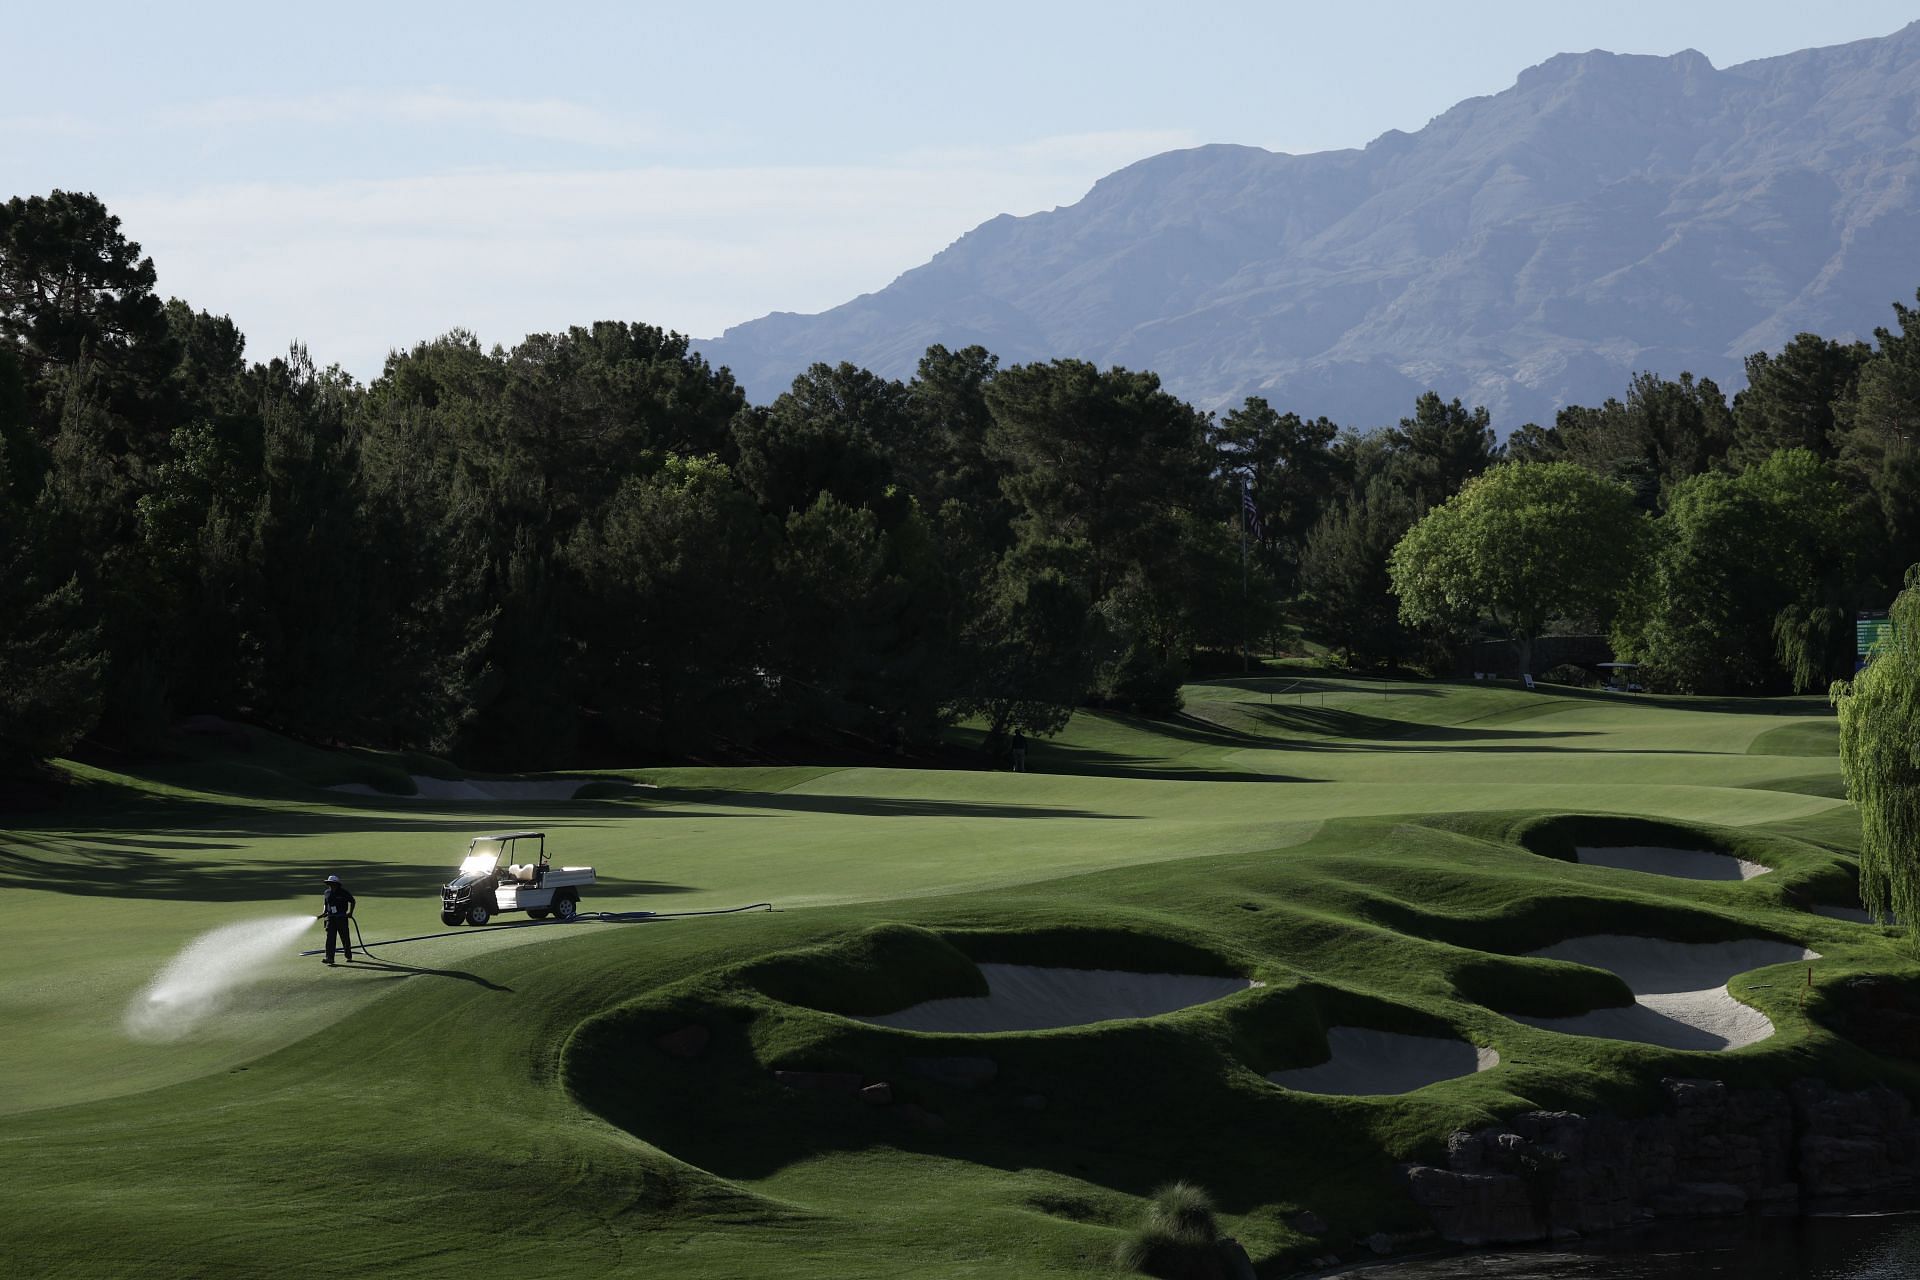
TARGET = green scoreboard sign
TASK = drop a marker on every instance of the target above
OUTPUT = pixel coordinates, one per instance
(1869, 630)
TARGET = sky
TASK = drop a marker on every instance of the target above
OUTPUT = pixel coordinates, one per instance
(361, 177)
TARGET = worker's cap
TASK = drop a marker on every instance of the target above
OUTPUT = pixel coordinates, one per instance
(333, 880)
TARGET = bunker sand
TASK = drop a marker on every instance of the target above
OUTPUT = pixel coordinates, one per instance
(1368, 1062)
(1679, 990)
(1029, 998)
(1686, 864)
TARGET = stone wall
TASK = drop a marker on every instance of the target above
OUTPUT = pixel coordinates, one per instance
(1712, 1150)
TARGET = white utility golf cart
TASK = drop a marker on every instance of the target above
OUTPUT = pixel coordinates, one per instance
(492, 881)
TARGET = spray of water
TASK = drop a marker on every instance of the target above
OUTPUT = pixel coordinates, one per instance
(197, 983)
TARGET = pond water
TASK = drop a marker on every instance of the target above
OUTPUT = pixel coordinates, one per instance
(1852, 1247)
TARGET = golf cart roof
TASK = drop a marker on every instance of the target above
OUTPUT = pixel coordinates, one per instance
(515, 835)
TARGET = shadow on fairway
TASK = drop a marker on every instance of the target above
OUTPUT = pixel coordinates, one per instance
(1093, 763)
(121, 868)
(1340, 684)
(1352, 730)
(882, 807)
(1066, 1102)
(389, 966)
(1802, 705)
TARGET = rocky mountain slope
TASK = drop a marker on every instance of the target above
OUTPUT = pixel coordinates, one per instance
(1608, 213)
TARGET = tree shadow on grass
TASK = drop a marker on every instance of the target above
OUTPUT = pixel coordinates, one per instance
(1368, 733)
(1091, 762)
(1351, 730)
(128, 869)
(1075, 1104)
(1276, 682)
(884, 807)
(1799, 705)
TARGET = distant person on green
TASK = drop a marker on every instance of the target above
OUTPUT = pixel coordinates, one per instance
(1019, 752)
(336, 908)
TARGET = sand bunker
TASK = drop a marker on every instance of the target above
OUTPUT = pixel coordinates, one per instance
(1687, 864)
(426, 788)
(1679, 989)
(1378, 1062)
(1026, 998)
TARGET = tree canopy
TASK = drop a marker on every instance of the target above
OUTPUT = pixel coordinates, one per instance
(1752, 575)
(1520, 544)
(589, 545)
(1880, 754)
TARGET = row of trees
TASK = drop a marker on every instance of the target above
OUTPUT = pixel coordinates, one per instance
(589, 541)
(591, 544)
(1728, 548)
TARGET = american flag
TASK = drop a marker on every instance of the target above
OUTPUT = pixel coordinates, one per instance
(1251, 512)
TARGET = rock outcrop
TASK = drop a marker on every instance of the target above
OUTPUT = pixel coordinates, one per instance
(1712, 1151)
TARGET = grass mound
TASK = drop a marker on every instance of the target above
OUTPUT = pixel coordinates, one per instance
(1815, 738)
(696, 1095)
(1559, 835)
(878, 970)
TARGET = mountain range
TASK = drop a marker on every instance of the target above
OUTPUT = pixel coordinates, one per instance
(1608, 213)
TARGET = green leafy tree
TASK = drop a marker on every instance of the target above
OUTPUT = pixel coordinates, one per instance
(1665, 431)
(1821, 544)
(23, 461)
(1753, 580)
(92, 532)
(1792, 400)
(72, 286)
(1521, 544)
(1880, 436)
(51, 669)
(836, 430)
(1441, 447)
(1531, 442)
(1103, 460)
(441, 508)
(1343, 572)
(944, 456)
(1290, 467)
(860, 608)
(594, 404)
(1880, 756)
(674, 578)
(1028, 651)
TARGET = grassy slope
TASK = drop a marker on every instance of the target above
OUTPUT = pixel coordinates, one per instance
(498, 1094)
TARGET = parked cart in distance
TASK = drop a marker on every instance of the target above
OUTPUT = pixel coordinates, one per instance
(492, 881)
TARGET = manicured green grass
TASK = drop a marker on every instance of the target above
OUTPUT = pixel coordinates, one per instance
(1374, 854)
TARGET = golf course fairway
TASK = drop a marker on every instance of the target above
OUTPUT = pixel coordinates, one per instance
(600, 1097)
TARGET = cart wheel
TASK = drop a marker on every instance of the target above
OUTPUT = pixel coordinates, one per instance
(537, 913)
(451, 917)
(479, 913)
(566, 909)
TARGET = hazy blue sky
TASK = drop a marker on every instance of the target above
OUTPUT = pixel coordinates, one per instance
(361, 176)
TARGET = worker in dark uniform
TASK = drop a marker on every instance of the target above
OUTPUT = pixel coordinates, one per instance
(336, 908)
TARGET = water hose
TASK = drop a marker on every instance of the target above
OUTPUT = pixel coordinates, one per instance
(603, 917)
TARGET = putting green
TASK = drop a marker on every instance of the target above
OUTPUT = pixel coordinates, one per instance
(497, 1097)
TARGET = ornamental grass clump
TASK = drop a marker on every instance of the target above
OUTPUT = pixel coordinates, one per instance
(1180, 1239)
